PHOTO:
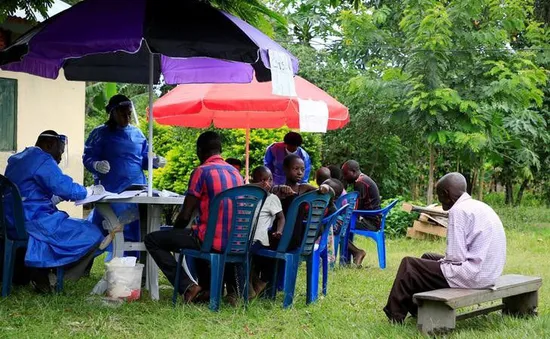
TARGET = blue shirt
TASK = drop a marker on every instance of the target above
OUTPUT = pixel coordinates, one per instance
(274, 157)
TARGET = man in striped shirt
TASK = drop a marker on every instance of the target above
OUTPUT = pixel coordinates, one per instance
(213, 176)
(475, 255)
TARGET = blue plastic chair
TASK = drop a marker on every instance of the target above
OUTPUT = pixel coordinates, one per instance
(321, 254)
(339, 247)
(245, 201)
(17, 239)
(377, 236)
(316, 204)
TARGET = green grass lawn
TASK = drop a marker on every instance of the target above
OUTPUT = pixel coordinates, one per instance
(351, 309)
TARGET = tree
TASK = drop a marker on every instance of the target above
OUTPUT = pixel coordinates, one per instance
(252, 11)
(8, 7)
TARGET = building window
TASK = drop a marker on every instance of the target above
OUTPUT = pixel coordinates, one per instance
(8, 114)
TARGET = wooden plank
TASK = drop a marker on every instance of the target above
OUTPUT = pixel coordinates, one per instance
(506, 286)
(431, 211)
(413, 234)
(479, 311)
(435, 220)
(429, 228)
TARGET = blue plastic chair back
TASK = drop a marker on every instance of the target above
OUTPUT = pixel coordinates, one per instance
(377, 236)
(328, 222)
(244, 204)
(383, 212)
(316, 203)
(351, 200)
(11, 202)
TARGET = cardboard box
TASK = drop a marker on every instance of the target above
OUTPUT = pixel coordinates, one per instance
(428, 228)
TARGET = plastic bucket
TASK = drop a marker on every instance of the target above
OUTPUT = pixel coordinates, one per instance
(124, 282)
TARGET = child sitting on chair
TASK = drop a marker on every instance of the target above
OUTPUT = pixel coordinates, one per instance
(294, 169)
(272, 210)
(271, 222)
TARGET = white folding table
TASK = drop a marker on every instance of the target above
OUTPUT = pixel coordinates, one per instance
(154, 215)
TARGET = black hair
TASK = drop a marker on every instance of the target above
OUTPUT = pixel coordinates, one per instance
(293, 139)
(46, 140)
(289, 159)
(322, 174)
(234, 162)
(113, 104)
(353, 165)
(335, 172)
(259, 171)
(336, 186)
(209, 142)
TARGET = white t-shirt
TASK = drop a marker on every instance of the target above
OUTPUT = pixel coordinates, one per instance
(271, 207)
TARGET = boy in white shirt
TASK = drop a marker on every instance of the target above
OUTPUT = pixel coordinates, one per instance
(270, 223)
(272, 210)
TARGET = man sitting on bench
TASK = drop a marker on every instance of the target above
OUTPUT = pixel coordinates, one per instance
(475, 255)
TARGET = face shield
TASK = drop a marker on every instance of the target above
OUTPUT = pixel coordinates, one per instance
(62, 154)
(124, 112)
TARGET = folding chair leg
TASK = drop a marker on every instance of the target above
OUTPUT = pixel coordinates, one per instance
(9, 259)
(177, 280)
(217, 267)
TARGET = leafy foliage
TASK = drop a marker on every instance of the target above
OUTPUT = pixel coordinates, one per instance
(8, 7)
(398, 220)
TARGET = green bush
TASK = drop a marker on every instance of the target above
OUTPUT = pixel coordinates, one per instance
(398, 220)
(530, 199)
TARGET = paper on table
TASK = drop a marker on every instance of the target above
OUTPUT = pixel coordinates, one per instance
(282, 75)
(313, 115)
(109, 195)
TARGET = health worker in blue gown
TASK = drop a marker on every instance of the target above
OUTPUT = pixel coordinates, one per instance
(116, 154)
(55, 239)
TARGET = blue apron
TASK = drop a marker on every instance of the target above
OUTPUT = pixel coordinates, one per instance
(55, 239)
(126, 151)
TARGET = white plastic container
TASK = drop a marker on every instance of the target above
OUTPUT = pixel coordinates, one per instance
(124, 280)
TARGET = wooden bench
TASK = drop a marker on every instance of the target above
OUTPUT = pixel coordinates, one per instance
(437, 309)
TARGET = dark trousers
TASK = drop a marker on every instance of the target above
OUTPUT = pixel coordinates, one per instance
(414, 275)
(73, 271)
(162, 244)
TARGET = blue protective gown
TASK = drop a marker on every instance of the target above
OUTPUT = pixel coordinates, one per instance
(274, 157)
(54, 238)
(126, 151)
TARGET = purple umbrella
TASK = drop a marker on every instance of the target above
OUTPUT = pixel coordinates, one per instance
(135, 41)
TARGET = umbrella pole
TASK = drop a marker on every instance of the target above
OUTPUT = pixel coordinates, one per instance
(247, 155)
(150, 151)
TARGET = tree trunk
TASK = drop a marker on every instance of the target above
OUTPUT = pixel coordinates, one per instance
(473, 181)
(414, 190)
(509, 193)
(522, 188)
(480, 184)
(430, 191)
